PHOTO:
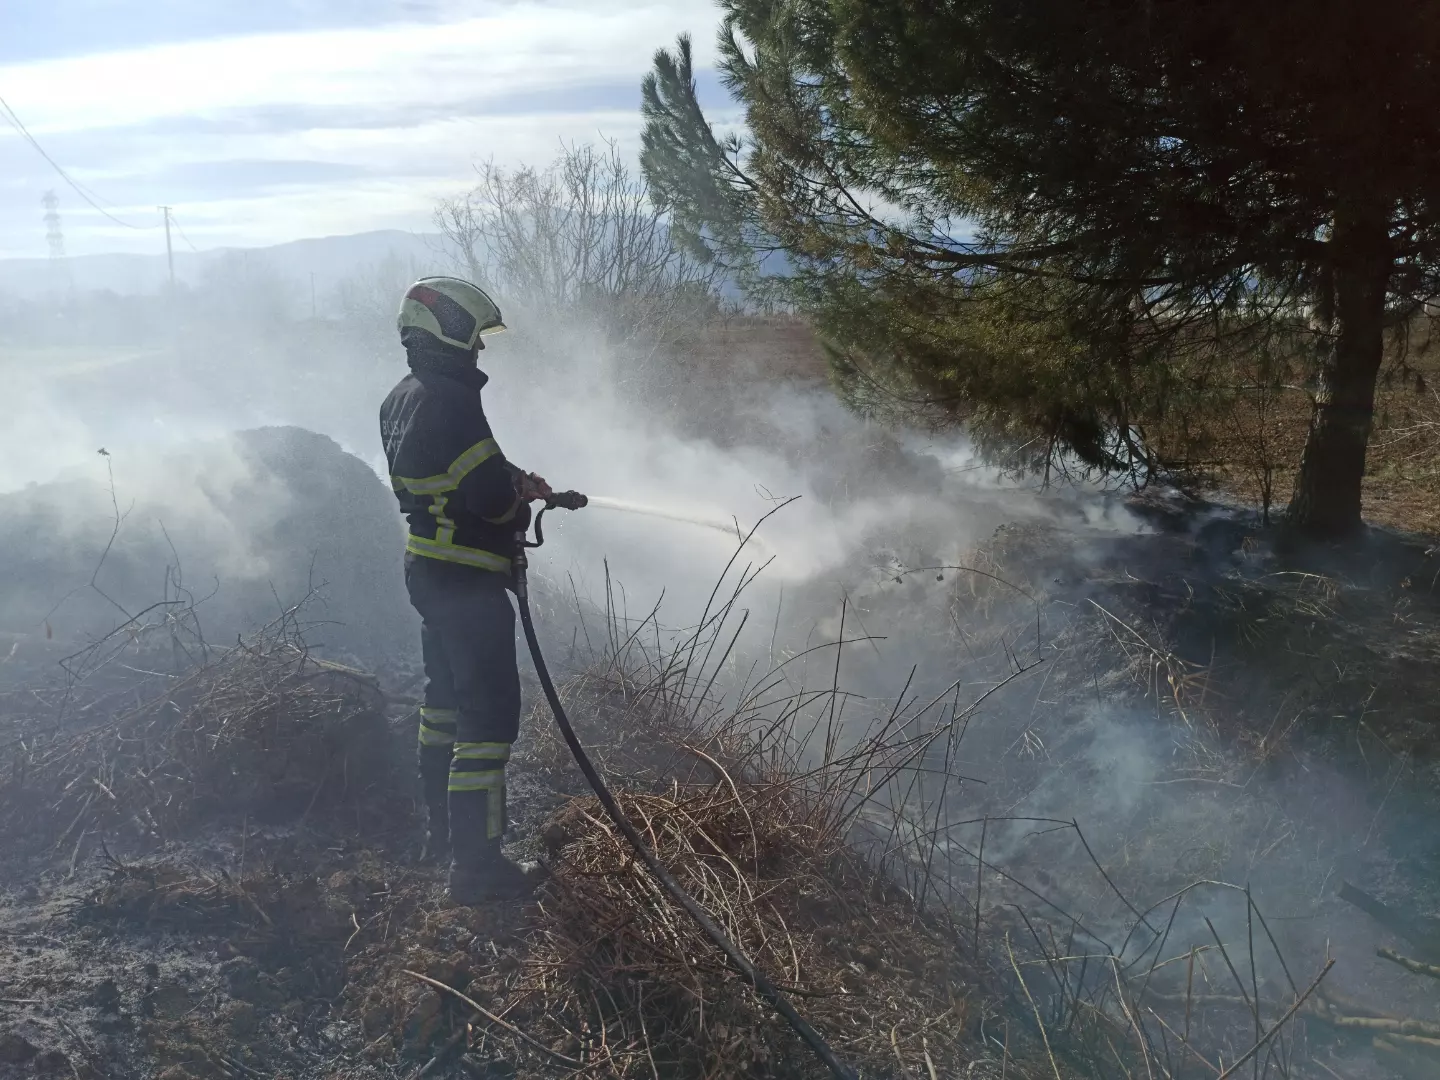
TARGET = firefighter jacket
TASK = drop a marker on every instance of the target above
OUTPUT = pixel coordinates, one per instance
(459, 494)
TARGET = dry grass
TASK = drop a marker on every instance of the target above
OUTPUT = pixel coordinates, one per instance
(823, 848)
(618, 977)
(1259, 671)
(827, 843)
(262, 729)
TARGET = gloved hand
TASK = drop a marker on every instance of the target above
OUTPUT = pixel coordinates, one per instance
(533, 488)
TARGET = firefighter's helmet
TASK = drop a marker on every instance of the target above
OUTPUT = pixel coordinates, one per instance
(453, 310)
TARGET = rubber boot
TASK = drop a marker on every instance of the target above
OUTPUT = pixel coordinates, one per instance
(491, 876)
(479, 870)
(434, 782)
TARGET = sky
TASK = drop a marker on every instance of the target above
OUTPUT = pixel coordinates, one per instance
(274, 120)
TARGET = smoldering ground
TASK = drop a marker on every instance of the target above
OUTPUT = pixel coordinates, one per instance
(880, 549)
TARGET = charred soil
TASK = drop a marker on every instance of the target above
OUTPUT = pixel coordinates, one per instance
(209, 872)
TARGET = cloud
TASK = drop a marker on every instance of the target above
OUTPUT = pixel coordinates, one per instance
(516, 48)
(261, 174)
(412, 103)
(92, 26)
(405, 171)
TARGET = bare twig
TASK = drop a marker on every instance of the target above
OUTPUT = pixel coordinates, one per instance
(1279, 1024)
(497, 1021)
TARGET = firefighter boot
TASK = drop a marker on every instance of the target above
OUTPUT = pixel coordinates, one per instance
(479, 870)
(490, 875)
(434, 782)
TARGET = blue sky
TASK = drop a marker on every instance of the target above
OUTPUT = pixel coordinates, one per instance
(272, 120)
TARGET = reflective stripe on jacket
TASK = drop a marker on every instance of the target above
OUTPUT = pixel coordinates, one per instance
(454, 485)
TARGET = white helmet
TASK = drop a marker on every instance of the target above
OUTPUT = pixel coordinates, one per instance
(451, 309)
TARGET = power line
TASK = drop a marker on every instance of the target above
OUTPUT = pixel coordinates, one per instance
(15, 122)
(176, 222)
(86, 193)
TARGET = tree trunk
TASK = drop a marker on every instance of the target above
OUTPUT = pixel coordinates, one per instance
(1326, 500)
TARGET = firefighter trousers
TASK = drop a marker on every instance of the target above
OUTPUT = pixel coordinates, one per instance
(471, 713)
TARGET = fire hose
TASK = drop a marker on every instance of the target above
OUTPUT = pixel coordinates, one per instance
(573, 500)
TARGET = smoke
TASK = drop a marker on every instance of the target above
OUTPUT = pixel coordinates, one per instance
(876, 519)
(562, 404)
(855, 502)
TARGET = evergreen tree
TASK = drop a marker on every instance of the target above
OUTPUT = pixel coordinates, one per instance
(1063, 221)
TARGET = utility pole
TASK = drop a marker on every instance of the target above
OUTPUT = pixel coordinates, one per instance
(169, 251)
(312, 294)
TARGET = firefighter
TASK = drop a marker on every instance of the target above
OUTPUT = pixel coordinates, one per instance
(464, 503)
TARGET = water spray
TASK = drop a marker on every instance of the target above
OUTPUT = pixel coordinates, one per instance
(729, 528)
(573, 500)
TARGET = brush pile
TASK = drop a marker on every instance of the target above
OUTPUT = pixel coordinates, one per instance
(650, 992)
(612, 976)
(263, 729)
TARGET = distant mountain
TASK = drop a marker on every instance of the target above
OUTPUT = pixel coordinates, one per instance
(331, 259)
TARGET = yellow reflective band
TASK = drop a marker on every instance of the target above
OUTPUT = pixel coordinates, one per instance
(477, 781)
(430, 736)
(493, 784)
(449, 552)
(450, 479)
(482, 751)
(444, 527)
(437, 727)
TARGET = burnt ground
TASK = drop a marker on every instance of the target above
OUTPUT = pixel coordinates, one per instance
(194, 863)
(211, 874)
(292, 947)
(240, 946)
(1273, 725)
(1274, 713)
(137, 957)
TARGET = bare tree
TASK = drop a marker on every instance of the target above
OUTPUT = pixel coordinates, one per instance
(369, 297)
(580, 238)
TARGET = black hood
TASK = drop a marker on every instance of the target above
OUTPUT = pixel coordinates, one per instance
(425, 352)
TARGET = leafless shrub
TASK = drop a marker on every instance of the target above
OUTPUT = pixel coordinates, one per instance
(580, 239)
(367, 300)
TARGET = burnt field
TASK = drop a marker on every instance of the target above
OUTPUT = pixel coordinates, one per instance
(1159, 800)
(991, 782)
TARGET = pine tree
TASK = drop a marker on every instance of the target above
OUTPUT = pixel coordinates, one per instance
(1062, 221)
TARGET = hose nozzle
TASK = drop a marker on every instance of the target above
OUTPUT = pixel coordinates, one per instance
(567, 500)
